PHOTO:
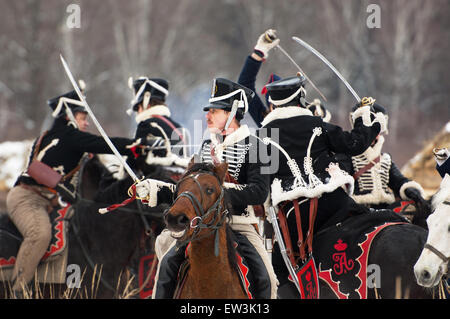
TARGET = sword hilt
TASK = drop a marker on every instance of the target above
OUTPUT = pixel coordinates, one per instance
(270, 36)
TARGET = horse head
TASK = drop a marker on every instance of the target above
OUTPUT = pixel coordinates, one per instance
(433, 261)
(198, 207)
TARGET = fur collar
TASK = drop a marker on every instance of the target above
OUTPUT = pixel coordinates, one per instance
(374, 151)
(284, 113)
(162, 110)
(241, 133)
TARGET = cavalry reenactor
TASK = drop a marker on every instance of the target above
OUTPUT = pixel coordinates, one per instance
(378, 180)
(253, 62)
(249, 72)
(245, 187)
(52, 174)
(153, 118)
(308, 179)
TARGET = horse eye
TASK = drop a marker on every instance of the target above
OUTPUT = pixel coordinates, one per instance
(209, 190)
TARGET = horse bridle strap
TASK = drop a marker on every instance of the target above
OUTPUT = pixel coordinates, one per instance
(437, 252)
(197, 222)
(200, 213)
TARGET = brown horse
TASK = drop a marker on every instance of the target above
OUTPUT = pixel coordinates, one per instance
(199, 215)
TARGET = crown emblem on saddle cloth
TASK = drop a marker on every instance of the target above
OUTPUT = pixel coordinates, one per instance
(340, 246)
(313, 186)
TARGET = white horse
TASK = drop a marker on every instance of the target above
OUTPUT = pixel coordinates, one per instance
(433, 261)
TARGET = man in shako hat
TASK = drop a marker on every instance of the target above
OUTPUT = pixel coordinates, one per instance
(309, 172)
(153, 117)
(245, 186)
(61, 148)
(253, 62)
(378, 181)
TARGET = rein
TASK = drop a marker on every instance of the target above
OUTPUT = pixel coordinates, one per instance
(197, 223)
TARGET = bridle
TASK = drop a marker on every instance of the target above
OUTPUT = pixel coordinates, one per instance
(434, 249)
(198, 222)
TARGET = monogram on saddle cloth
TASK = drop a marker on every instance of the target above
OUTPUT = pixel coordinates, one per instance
(306, 273)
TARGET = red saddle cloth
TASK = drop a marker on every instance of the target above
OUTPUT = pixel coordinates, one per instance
(11, 238)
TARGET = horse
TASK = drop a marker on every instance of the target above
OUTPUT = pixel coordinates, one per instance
(198, 217)
(378, 265)
(104, 247)
(432, 264)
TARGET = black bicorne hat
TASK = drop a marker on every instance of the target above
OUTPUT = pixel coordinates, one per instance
(225, 92)
(158, 88)
(287, 92)
(70, 99)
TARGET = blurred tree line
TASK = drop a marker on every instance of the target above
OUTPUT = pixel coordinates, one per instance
(403, 64)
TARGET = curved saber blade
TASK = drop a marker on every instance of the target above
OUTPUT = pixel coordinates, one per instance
(302, 72)
(97, 124)
(279, 237)
(328, 63)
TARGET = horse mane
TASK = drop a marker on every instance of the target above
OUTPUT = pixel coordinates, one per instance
(196, 167)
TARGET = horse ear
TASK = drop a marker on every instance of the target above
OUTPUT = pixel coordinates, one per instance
(194, 160)
(221, 170)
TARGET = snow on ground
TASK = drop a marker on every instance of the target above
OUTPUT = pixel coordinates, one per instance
(13, 160)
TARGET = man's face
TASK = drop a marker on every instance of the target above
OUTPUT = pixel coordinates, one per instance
(82, 121)
(216, 120)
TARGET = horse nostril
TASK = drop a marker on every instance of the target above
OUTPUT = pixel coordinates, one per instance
(182, 220)
(426, 275)
(177, 222)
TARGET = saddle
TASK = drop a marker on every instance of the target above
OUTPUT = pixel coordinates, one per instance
(11, 239)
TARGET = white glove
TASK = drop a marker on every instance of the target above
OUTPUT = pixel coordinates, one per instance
(263, 45)
(441, 155)
(148, 190)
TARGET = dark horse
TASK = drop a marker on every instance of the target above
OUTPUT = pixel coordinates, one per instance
(368, 255)
(199, 215)
(106, 246)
